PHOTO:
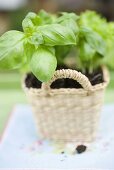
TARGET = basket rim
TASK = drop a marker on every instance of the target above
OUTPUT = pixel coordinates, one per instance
(96, 87)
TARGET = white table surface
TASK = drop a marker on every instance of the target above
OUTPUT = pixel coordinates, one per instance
(20, 146)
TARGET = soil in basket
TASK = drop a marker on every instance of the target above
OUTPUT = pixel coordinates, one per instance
(95, 78)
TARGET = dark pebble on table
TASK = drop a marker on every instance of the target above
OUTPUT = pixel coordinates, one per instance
(81, 148)
(62, 152)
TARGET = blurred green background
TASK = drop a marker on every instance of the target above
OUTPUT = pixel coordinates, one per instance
(11, 15)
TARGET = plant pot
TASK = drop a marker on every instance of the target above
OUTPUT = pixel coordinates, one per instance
(68, 114)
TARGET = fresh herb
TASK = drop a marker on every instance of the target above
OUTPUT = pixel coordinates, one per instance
(34, 48)
(47, 39)
(96, 39)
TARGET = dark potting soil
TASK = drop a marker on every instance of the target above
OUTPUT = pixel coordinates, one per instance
(32, 81)
(95, 78)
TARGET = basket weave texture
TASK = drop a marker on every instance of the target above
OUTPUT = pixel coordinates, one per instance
(68, 114)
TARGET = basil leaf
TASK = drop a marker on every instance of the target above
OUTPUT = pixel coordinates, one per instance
(43, 64)
(51, 50)
(29, 50)
(96, 22)
(94, 40)
(70, 23)
(110, 33)
(86, 52)
(36, 39)
(46, 17)
(36, 20)
(11, 50)
(97, 43)
(67, 16)
(109, 56)
(31, 21)
(61, 53)
(27, 25)
(56, 34)
(69, 20)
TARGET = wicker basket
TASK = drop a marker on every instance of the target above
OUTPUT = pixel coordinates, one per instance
(68, 114)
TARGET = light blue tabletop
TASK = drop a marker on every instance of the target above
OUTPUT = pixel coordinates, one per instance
(21, 147)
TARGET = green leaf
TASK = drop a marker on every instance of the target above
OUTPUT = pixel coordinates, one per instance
(96, 22)
(31, 21)
(36, 39)
(111, 31)
(70, 23)
(29, 50)
(91, 48)
(46, 17)
(51, 50)
(56, 34)
(36, 20)
(109, 56)
(94, 40)
(27, 25)
(67, 16)
(61, 53)
(43, 64)
(97, 43)
(69, 20)
(11, 50)
(86, 52)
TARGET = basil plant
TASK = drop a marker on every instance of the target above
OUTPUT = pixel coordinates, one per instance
(96, 42)
(35, 48)
(47, 39)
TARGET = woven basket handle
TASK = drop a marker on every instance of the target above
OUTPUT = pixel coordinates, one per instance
(71, 74)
